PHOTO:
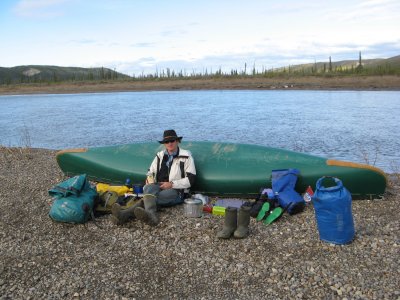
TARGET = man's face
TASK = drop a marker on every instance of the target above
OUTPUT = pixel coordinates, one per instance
(171, 146)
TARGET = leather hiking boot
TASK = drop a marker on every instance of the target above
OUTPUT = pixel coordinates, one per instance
(121, 216)
(230, 224)
(148, 214)
(242, 230)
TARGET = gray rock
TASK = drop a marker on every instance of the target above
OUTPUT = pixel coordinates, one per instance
(181, 257)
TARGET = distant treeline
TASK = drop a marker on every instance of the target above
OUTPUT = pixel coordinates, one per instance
(390, 66)
(54, 74)
(316, 70)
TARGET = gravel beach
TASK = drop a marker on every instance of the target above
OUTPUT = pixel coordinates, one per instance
(181, 258)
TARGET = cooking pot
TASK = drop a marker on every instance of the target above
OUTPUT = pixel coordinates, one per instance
(193, 208)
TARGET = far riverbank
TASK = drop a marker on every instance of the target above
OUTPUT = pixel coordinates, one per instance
(385, 83)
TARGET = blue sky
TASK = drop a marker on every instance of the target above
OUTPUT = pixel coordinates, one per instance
(144, 36)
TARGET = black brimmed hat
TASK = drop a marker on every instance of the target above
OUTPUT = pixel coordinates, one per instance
(170, 135)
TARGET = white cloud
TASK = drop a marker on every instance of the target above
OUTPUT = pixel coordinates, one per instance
(368, 11)
(108, 33)
(276, 57)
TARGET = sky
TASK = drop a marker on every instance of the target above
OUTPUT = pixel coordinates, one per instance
(147, 36)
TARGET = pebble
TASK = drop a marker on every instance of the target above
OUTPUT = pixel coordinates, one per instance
(181, 258)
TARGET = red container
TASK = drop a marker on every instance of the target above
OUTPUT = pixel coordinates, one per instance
(207, 208)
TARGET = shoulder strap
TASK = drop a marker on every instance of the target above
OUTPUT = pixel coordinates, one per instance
(182, 166)
(158, 165)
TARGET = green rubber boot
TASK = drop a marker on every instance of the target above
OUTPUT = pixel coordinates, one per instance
(121, 216)
(230, 224)
(148, 214)
(242, 230)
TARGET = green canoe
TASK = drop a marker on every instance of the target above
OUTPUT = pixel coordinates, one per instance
(224, 169)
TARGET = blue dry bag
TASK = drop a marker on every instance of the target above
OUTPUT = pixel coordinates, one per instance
(283, 183)
(333, 212)
(74, 200)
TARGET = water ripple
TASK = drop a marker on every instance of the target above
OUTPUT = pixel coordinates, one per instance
(358, 126)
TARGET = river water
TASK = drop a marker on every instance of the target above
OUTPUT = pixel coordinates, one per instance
(359, 126)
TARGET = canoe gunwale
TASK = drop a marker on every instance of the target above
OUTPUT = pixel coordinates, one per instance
(341, 163)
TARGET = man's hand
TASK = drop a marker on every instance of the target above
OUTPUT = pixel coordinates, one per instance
(165, 185)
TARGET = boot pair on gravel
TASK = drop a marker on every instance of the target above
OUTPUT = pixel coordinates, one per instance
(144, 210)
(236, 223)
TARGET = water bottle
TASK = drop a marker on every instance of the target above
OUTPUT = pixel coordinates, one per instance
(128, 183)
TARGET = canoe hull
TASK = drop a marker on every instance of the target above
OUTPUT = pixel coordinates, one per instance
(224, 169)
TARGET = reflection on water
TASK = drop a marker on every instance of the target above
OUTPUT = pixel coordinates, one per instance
(348, 125)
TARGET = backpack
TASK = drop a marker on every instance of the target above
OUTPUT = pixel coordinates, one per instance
(74, 200)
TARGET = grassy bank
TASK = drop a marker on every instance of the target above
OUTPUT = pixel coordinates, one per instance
(387, 82)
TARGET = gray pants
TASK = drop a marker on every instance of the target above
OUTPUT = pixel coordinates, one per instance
(165, 198)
